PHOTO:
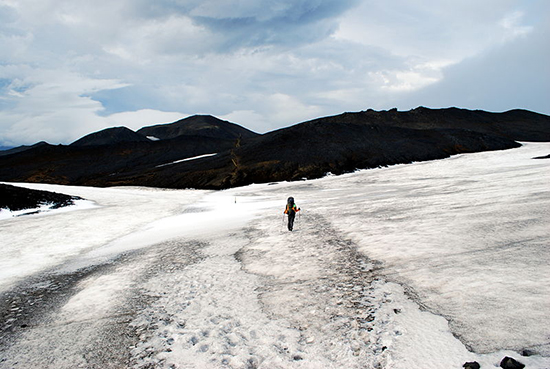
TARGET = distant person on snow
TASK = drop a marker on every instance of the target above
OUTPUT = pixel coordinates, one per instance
(291, 211)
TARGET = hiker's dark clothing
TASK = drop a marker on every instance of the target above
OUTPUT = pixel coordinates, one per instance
(291, 210)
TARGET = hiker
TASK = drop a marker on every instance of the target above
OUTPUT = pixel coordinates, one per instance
(291, 211)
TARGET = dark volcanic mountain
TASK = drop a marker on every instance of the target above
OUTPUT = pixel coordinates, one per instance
(101, 157)
(110, 136)
(313, 149)
(197, 125)
(336, 144)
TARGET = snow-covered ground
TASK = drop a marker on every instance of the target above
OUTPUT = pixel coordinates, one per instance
(427, 265)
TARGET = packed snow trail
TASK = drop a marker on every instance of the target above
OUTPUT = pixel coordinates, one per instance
(251, 303)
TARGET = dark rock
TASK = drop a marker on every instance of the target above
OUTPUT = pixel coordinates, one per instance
(528, 352)
(17, 198)
(543, 157)
(510, 363)
(471, 365)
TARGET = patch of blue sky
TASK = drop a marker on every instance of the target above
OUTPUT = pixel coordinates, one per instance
(121, 99)
(4, 82)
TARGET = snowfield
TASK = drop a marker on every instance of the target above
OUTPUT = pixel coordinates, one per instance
(427, 265)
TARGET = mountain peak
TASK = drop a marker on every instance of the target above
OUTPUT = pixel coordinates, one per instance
(197, 125)
(110, 136)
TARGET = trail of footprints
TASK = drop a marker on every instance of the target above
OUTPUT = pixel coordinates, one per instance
(224, 311)
(338, 308)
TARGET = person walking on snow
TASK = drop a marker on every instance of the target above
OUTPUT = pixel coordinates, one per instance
(291, 210)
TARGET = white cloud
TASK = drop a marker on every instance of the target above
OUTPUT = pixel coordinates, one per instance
(450, 30)
(272, 112)
(410, 78)
(55, 106)
(513, 27)
(141, 118)
(287, 109)
(250, 119)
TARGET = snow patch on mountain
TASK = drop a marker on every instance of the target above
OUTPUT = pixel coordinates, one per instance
(187, 159)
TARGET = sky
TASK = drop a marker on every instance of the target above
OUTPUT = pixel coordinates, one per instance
(72, 67)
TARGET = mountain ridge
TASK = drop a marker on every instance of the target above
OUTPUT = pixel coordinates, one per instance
(503, 123)
(109, 136)
(335, 144)
(15, 150)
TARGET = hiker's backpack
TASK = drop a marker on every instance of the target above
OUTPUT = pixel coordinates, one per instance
(290, 205)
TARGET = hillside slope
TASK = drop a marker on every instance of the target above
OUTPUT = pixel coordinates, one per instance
(520, 125)
(335, 144)
(313, 149)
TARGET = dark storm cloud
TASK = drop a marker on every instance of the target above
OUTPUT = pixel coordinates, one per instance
(249, 24)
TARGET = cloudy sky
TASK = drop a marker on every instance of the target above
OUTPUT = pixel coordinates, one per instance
(71, 67)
